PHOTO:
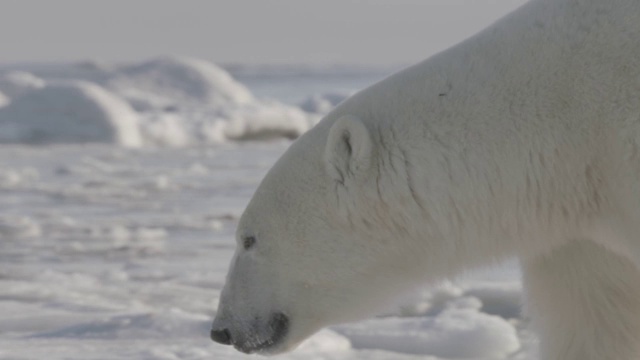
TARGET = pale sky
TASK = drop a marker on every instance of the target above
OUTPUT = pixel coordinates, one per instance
(372, 32)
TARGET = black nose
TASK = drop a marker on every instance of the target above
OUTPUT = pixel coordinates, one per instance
(221, 336)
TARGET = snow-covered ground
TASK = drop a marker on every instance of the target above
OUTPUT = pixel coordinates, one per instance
(112, 249)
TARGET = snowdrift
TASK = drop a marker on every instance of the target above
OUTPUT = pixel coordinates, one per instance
(260, 121)
(70, 112)
(175, 80)
(453, 334)
(169, 101)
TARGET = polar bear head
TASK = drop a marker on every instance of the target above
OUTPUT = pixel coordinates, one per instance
(313, 244)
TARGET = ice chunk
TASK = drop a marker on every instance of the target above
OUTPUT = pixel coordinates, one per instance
(456, 333)
(263, 121)
(70, 112)
(171, 79)
(164, 130)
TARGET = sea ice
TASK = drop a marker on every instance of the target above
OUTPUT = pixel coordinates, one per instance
(453, 334)
(177, 80)
(69, 112)
(178, 102)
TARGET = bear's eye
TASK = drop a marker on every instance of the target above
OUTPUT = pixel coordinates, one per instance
(248, 242)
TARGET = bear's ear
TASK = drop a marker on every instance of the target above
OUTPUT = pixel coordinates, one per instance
(349, 150)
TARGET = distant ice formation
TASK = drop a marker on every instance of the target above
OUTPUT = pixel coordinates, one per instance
(264, 121)
(168, 102)
(164, 129)
(176, 80)
(69, 112)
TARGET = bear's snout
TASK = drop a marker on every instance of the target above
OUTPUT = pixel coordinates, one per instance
(262, 338)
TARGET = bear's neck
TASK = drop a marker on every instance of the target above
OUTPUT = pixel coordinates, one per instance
(476, 123)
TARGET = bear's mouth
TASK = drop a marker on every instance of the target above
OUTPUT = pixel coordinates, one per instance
(278, 328)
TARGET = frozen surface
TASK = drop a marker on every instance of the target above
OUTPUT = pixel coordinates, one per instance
(110, 253)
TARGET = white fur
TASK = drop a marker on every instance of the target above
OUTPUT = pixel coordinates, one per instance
(521, 141)
(585, 303)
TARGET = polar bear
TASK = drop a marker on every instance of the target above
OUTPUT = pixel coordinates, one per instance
(521, 141)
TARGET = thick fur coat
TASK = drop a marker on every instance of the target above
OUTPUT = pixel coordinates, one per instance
(521, 141)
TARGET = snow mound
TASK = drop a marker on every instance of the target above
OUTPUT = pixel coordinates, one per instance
(323, 103)
(165, 102)
(170, 79)
(261, 121)
(454, 334)
(69, 112)
(17, 83)
(165, 130)
(255, 121)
